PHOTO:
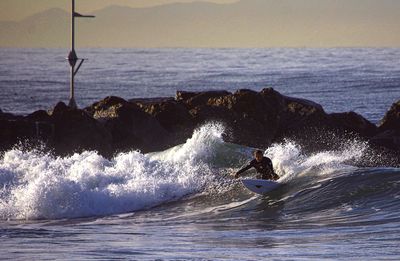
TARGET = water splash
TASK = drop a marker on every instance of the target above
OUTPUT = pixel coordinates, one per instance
(41, 186)
(36, 185)
(290, 162)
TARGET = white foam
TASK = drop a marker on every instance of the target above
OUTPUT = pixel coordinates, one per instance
(35, 186)
(289, 161)
(202, 146)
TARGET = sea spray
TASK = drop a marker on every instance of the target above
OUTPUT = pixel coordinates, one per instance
(41, 186)
(290, 161)
(207, 150)
(202, 146)
(35, 185)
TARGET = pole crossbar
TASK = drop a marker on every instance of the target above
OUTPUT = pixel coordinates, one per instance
(79, 66)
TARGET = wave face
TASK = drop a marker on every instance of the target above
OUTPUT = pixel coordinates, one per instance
(34, 185)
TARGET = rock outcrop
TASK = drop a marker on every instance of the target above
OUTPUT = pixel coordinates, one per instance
(389, 129)
(130, 127)
(252, 118)
(75, 130)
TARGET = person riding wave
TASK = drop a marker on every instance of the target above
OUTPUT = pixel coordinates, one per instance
(262, 164)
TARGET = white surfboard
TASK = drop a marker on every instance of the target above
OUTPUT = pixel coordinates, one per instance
(260, 186)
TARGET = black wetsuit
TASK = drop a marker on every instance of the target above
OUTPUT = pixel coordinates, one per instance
(264, 168)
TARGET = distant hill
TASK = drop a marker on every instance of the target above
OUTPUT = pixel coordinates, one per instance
(247, 23)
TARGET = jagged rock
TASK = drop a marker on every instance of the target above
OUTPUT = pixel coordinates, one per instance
(9, 116)
(39, 116)
(389, 129)
(198, 98)
(185, 95)
(75, 130)
(389, 139)
(251, 118)
(130, 127)
(170, 114)
(101, 109)
(274, 99)
(353, 122)
(24, 130)
(15, 131)
(297, 117)
(391, 121)
(60, 108)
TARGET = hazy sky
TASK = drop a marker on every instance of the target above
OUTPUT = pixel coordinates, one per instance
(14, 10)
(233, 23)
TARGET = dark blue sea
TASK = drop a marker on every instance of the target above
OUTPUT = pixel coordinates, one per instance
(182, 204)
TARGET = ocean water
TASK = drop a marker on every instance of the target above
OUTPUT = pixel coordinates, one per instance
(182, 204)
(365, 80)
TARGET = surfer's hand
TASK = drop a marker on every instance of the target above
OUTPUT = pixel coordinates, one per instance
(235, 175)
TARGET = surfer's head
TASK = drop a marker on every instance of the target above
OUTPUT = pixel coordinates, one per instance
(258, 154)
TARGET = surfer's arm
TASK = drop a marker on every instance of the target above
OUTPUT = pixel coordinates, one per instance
(243, 170)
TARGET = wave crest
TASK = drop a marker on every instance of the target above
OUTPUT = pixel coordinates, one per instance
(40, 186)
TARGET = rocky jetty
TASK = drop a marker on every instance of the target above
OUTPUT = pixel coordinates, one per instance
(252, 118)
(389, 129)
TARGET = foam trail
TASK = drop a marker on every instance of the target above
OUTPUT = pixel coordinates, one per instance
(40, 186)
(289, 161)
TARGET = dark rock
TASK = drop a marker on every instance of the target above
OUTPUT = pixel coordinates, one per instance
(185, 95)
(170, 114)
(245, 103)
(75, 131)
(107, 107)
(274, 99)
(391, 121)
(15, 131)
(28, 131)
(389, 130)
(39, 116)
(389, 139)
(130, 127)
(298, 116)
(148, 101)
(253, 121)
(303, 107)
(9, 116)
(59, 109)
(104, 105)
(251, 118)
(206, 113)
(173, 116)
(199, 98)
(353, 122)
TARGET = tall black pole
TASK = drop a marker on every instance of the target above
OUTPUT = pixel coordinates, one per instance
(72, 57)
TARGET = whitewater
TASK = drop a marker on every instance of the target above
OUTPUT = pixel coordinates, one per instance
(182, 203)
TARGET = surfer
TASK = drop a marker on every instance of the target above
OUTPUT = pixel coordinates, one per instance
(262, 164)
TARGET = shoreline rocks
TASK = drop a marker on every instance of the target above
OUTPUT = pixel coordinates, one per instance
(255, 119)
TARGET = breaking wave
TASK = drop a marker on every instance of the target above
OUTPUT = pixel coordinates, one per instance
(36, 185)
